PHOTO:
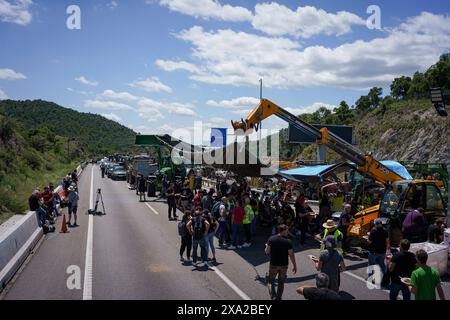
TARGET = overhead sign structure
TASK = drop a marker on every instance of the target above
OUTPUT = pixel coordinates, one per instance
(218, 137)
(297, 136)
(151, 140)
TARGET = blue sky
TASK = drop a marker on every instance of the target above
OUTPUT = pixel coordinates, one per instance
(160, 65)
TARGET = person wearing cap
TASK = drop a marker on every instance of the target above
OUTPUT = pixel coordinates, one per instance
(378, 247)
(73, 205)
(331, 262)
(344, 223)
(330, 228)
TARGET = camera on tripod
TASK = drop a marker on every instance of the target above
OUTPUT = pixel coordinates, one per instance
(99, 198)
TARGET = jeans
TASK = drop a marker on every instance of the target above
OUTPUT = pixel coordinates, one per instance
(186, 244)
(42, 215)
(222, 234)
(377, 258)
(195, 244)
(172, 207)
(396, 288)
(248, 232)
(209, 240)
(281, 271)
(254, 223)
(238, 230)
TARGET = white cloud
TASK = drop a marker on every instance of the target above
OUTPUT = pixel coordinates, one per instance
(206, 9)
(112, 116)
(241, 102)
(272, 18)
(3, 95)
(106, 105)
(119, 95)
(311, 108)
(168, 65)
(150, 105)
(10, 74)
(16, 11)
(305, 22)
(83, 80)
(113, 5)
(242, 112)
(151, 85)
(238, 58)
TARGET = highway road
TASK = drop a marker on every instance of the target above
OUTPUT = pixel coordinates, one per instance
(132, 253)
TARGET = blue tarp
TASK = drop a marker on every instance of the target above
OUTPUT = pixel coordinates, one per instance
(317, 171)
(397, 168)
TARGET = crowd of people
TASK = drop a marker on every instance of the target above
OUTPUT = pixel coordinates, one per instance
(45, 203)
(231, 213)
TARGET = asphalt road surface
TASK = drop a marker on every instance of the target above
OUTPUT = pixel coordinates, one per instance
(132, 253)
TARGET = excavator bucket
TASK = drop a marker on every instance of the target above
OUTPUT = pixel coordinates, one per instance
(239, 125)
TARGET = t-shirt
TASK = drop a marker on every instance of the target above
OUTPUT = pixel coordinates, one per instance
(299, 209)
(170, 198)
(404, 266)
(320, 294)
(279, 248)
(33, 201)
(425, 279)
(238, 215)
(435, 234)
(330, 262)
(378, 240)
(73, 198)
(344, 217)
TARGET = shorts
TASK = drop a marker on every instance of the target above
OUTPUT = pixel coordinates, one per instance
(73, 209)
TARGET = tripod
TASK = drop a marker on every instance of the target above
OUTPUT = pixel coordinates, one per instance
(98, 198)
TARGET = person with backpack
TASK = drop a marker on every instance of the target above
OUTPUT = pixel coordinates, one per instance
(208, 201)
(186, 237)
(209, 239)
(198, 227)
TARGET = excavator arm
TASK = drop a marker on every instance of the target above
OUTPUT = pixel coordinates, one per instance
(364, 163)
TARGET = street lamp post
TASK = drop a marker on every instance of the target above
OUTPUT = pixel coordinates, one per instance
(439, 101)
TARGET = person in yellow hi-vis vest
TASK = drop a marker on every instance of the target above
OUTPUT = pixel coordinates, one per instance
(331, 229)
(247, 222)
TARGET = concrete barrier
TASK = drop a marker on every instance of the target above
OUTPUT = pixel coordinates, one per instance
(19, 236)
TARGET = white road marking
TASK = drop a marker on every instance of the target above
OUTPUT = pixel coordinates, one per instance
(151, 208)
(373, 286)
(87, 284)
(230, 283)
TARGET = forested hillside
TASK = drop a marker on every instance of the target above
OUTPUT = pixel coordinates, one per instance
(40, 142)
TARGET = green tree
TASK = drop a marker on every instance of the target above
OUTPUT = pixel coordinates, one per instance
(369, 102)
(400, 87)
(419, 86)
(344, 114)
(439, 74)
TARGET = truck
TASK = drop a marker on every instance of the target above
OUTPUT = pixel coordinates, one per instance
(400, 196)
(140, 164)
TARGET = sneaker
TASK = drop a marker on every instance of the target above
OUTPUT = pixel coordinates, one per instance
(214, 260)
(246, 245)
(194, 264)
(232, 247)
(188, 261)
(74, 225)
(239, 247)
(181, 259)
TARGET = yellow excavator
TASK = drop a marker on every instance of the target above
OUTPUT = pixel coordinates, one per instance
(400, 196)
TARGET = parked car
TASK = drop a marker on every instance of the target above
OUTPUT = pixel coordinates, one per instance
(119, 174)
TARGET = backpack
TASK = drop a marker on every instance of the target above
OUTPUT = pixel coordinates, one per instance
(199, 228)
(215, 209)
(182, 229)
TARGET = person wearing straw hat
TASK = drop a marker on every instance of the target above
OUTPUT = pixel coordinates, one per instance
(331, 229)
